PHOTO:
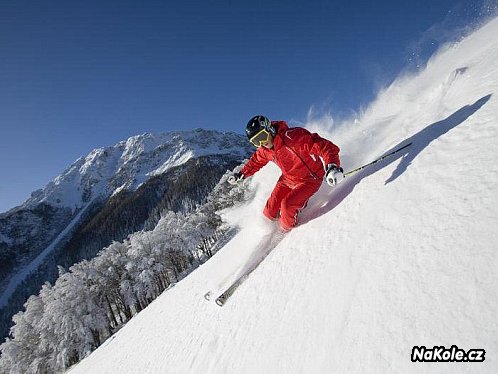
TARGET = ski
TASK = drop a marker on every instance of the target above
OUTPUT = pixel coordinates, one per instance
(263, 250)
(221, 300)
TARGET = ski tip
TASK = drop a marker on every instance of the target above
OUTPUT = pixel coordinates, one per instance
(220, 302)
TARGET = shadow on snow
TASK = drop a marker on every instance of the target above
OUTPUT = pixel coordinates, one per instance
(419, 142)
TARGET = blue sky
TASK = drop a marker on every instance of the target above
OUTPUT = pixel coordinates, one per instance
(77, 75)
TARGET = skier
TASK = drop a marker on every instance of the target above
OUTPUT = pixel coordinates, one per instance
(304, 159)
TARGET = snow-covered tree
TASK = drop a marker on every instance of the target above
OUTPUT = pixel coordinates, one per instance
(87, 303)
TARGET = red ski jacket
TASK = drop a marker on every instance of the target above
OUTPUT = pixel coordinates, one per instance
(301, 155)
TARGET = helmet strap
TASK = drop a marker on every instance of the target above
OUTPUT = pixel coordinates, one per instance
(272, 130)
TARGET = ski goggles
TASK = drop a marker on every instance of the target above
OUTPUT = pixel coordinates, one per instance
(261, 138)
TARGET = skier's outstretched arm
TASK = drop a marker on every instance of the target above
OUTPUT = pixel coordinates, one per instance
(256, 162)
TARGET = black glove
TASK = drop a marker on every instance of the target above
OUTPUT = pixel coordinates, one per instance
(235, 178)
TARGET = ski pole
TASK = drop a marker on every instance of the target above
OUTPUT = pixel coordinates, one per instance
(379, 159)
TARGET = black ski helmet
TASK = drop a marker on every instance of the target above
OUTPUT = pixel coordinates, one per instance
(258, 123)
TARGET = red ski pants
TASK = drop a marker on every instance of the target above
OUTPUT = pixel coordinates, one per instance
(289, 199)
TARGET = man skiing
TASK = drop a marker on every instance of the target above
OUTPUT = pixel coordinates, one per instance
(304, 159)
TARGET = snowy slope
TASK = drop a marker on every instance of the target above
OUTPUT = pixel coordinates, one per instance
(402, 254)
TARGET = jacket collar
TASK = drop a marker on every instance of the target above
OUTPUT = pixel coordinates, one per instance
(278, 141)
(281, 126)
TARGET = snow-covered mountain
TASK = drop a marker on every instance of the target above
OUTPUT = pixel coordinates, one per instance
(401, 254)
(128, 164)
(105, 196)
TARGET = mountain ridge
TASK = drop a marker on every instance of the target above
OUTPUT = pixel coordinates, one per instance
(129, 163)
(54, 226)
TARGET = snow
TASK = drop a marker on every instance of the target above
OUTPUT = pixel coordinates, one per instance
(20, 276)
(399, 255)
(107, 171)
(176, 159)
(128, 164)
